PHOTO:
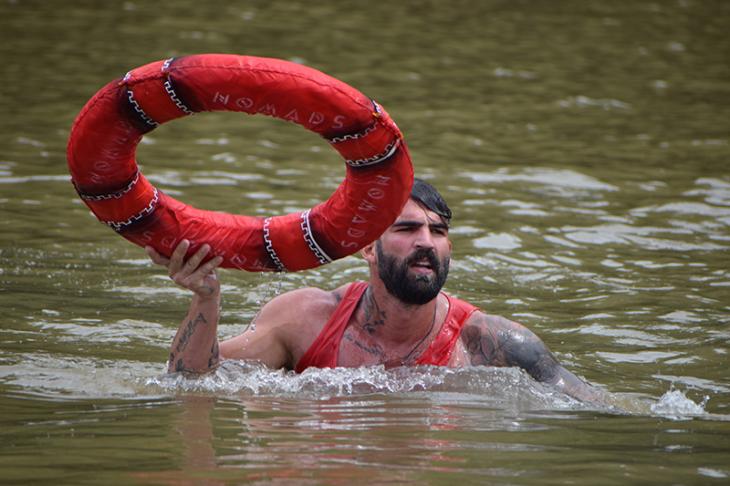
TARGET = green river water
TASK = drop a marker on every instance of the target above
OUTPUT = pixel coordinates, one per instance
(583, 147)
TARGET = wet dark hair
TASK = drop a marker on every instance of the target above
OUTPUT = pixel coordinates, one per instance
(427, 195)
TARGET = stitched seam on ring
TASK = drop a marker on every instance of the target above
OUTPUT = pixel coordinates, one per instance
(353, 136)
(171, 91)
(111, 195)
(120, 225)
(390, 149)
(270, 247)
(322, 257)
(144, 116)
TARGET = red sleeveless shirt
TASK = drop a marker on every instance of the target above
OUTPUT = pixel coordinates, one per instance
(324, 351)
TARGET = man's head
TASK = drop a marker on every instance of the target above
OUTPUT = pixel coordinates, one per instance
(427, 196)
(412, 257)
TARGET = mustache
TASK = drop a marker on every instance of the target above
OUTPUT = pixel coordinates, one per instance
(422, 253)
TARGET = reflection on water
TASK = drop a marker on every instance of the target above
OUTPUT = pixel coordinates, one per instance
(245, 423)
(583, 147)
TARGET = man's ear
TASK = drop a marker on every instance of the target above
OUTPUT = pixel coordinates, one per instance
(368, 252)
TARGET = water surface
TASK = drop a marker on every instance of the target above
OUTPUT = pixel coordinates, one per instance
(583, 147)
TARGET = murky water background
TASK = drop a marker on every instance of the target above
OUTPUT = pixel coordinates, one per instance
(583, 146)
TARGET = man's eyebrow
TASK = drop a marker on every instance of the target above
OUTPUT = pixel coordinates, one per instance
(406, 222)
(415, 223)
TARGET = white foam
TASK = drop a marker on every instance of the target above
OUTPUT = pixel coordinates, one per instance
(493, 387)
(675, 405)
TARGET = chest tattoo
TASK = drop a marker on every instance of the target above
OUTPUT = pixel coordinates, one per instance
(372, 349)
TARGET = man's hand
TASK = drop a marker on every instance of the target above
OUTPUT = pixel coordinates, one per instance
(191, 274)
(195, 346)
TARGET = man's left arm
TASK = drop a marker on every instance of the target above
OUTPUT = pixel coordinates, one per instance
(496, 341)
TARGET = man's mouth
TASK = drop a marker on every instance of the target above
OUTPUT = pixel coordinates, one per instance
(422, 265)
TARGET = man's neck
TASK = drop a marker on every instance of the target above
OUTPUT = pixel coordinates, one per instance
(394, 323)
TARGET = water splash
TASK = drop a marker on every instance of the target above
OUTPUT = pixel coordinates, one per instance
(675, 405)
(507, 389)
(485, 387)
(502, 388)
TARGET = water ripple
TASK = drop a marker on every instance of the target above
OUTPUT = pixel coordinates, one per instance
(564, 178)
(604, 234)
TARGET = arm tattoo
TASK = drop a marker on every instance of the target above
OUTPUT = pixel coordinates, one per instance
(214, 355)
(495, 341)
(178, 363)
(188, 331)
(481, 346)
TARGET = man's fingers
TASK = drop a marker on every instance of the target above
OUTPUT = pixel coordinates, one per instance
(190, 274)
(192, 264)
(156, 257)
(176, 260)
(205, 269)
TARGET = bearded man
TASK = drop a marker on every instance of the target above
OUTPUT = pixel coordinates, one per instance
(399, 317)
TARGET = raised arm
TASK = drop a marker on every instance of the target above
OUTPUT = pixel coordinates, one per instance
(279, 335)
(195, 346)
(496, 341)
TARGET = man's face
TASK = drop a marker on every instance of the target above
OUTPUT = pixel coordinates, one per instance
(413, 255)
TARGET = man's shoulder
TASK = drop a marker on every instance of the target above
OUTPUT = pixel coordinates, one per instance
(480, 325)
(477, 319)
(495, 340)
(298, 316)
(466, 307)
(484, 321)
(306, 303)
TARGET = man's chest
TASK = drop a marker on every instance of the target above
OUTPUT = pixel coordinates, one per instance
(358, 349)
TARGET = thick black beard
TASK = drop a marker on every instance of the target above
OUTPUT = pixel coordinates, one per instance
(412, 290)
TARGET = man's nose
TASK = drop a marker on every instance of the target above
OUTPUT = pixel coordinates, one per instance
(424, 238)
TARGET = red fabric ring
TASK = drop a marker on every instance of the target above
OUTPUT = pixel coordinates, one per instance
(104, 137)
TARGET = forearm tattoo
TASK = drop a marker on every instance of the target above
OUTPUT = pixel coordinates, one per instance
(214, 355)
(188, 331)
(176, 362)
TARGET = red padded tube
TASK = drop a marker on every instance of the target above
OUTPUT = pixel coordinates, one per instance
(105, 135)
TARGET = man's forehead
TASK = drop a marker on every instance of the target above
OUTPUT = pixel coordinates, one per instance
(415, 212)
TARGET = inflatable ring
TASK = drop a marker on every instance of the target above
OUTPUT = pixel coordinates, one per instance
(105, 135)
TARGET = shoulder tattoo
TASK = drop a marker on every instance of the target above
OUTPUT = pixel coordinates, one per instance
(496, 341)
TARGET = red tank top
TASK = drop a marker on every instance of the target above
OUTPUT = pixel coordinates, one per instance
(324, 351)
